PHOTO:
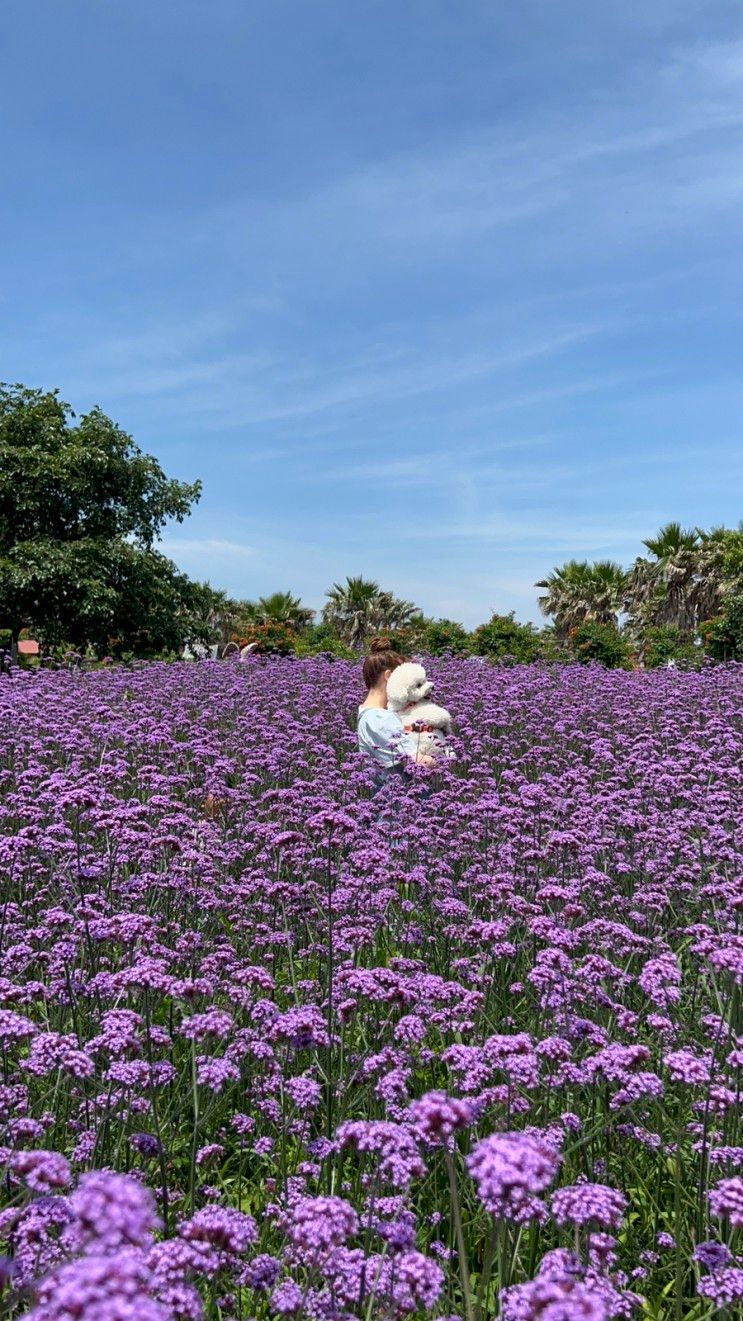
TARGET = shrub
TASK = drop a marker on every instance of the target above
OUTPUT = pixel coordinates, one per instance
(503, 638)
(320, 640)
(273, 638)
(666, 642)
(442, 637)
(723, 635)
(592, 641)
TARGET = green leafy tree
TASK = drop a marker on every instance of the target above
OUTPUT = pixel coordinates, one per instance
(441, 637)
(594, 641)
(80, 510)
(113, 598)
(359, 608)
(504, 638)
(723, 635)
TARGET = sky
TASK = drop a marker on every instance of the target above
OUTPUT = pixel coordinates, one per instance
(440, 292)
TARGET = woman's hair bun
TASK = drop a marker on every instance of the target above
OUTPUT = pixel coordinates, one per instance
(379, 645)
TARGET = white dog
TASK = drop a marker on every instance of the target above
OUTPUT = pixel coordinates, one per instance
(408, 690)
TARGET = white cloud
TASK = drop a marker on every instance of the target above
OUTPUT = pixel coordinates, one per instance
(594, 162)
(264, 387)
(213, 547)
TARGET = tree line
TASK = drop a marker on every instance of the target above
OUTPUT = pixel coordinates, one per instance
(685, 594)
(680, 603)
(82, 509)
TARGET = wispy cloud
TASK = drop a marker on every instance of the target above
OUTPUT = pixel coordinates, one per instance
(494, 178)
(268, 387)
(547, 532)
(208, 546)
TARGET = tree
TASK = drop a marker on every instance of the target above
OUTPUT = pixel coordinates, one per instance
(358, 608)
(280, 608)
(723, 635)
(504, 638)
(441, 637)
(670, 586)
(111, 596)
(607, 582)
(80, 510)
(216, 616)
(581, 591)
(721, 564)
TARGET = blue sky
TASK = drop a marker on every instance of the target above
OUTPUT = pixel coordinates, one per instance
(441, 293)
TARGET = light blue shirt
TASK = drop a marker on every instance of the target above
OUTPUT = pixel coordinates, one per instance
(382, 737)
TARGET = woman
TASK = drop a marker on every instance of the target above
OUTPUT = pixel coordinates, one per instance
(380, 732)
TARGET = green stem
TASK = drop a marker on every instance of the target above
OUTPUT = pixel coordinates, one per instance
(487, 1270)
(194, 1138)
(678, 1307)
(464, 1270)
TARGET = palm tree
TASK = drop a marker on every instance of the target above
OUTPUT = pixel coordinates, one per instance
(359, 607)
(214, 614)
(721, 566)
(564, 600)
(607, 581)
(578, 591)
(669, 586)
(279, 608)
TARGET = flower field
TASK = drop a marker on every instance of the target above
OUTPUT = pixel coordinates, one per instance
(466, 1048)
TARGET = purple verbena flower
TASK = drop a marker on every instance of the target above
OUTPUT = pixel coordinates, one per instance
(112, 1212)
(589, 1204)
(509, 1169)
(726, 1200)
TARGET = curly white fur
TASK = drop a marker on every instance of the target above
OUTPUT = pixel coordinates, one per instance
(408, 691)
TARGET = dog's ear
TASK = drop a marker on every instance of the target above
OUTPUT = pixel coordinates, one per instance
(397, 688)
(401, 680)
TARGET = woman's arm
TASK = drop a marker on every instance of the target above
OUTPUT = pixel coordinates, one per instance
(382, 736)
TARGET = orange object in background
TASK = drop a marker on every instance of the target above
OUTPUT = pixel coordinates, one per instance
(29, 647)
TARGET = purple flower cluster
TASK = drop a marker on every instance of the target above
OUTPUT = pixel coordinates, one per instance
(509, 1169)
(726, 1200)
(547, 1299)
(317, 1224)
(437, 1117)
(98, 1287)
(590, 1204)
